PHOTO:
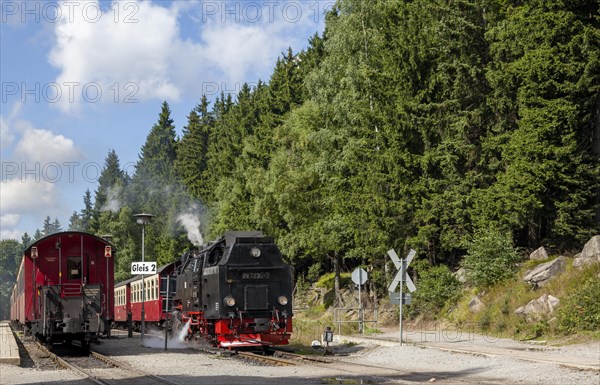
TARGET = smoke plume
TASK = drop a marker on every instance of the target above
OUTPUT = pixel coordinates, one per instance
(113, 202)
(190, 220)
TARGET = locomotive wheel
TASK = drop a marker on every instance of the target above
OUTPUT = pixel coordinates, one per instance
(85, 345)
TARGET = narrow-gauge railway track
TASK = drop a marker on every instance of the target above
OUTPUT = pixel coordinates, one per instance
(266, 359)
(302, 358)
(103, 370)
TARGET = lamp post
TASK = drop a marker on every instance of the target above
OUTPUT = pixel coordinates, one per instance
(107, 255)
(143, 219)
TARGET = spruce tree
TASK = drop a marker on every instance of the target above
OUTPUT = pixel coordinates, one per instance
(192, 152)
(75, 222)
(545, 82)
(87, 212)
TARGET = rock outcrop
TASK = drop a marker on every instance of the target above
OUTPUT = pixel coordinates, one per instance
(461, 275)
(539, 255)
(538, 309)
(590, 253)
(475, 305)
(544, 272)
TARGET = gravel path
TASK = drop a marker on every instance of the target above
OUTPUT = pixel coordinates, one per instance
(365, 363)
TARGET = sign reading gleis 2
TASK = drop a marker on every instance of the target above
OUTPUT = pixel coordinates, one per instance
(143, 268)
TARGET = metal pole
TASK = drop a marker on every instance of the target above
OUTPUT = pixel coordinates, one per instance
(360, 316)
(402, 261)
(167, 311)
(35, 306)
(59, 264)
(143, 287)
(107, 301)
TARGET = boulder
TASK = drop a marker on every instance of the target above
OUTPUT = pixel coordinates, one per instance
(475, 305)
(590, 253)
(461, 275)
(544, 272)
(538, 309)
(539, 255)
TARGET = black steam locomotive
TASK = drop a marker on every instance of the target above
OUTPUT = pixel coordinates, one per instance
(236, 292)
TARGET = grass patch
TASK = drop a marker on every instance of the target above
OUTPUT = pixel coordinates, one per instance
(577, 313)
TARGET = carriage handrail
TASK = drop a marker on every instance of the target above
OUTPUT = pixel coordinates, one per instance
(71, 289)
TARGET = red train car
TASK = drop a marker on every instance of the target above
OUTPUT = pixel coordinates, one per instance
(157, 304)
(64, 288)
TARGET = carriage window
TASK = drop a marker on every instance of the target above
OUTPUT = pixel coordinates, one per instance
(74, 267)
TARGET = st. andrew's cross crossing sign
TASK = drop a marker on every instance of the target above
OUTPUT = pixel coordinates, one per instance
(401, 275)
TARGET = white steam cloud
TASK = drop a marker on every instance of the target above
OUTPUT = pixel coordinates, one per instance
(113, 201)
(190, 220)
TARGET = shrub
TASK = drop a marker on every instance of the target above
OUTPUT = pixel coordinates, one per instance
(581, 310)
(490, 258)
(313, 272)
(327, 280)
(437, 287)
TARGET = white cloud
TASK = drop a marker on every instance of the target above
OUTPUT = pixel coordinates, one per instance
(7, 131)
(8, 223)
(151, 57)
(23, 196)
(134, 50)
(6, 135)
(25, 200)
(43, 146)
(9, 220)
(37, 168)
(10, 234)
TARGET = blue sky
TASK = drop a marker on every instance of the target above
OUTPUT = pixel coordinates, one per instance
(80, 78)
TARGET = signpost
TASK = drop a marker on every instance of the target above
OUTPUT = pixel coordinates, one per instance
(359, 277)
(143, 219)
(143, 268)
(400, 278)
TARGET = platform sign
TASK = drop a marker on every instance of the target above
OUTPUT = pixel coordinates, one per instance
(144, 268)
(107, 251)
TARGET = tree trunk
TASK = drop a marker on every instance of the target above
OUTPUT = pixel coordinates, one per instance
(336, 285)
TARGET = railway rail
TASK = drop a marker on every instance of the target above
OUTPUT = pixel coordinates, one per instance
(266, 359)
(103, 370)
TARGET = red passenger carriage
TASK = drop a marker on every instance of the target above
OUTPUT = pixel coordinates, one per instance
(157, 302)
(64, 288)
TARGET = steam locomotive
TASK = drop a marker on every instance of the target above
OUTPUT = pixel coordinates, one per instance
(64, 288)
(235, 293)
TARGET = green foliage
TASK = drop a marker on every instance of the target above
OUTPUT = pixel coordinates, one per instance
(51, 227)
(86, 213)
(10, 258)
(109, 194)
(490, 258)
(314, 272)
(581, 310)
(544, 81)
(192, 151)
(327, 280)
(438, 288)
(406, 124)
